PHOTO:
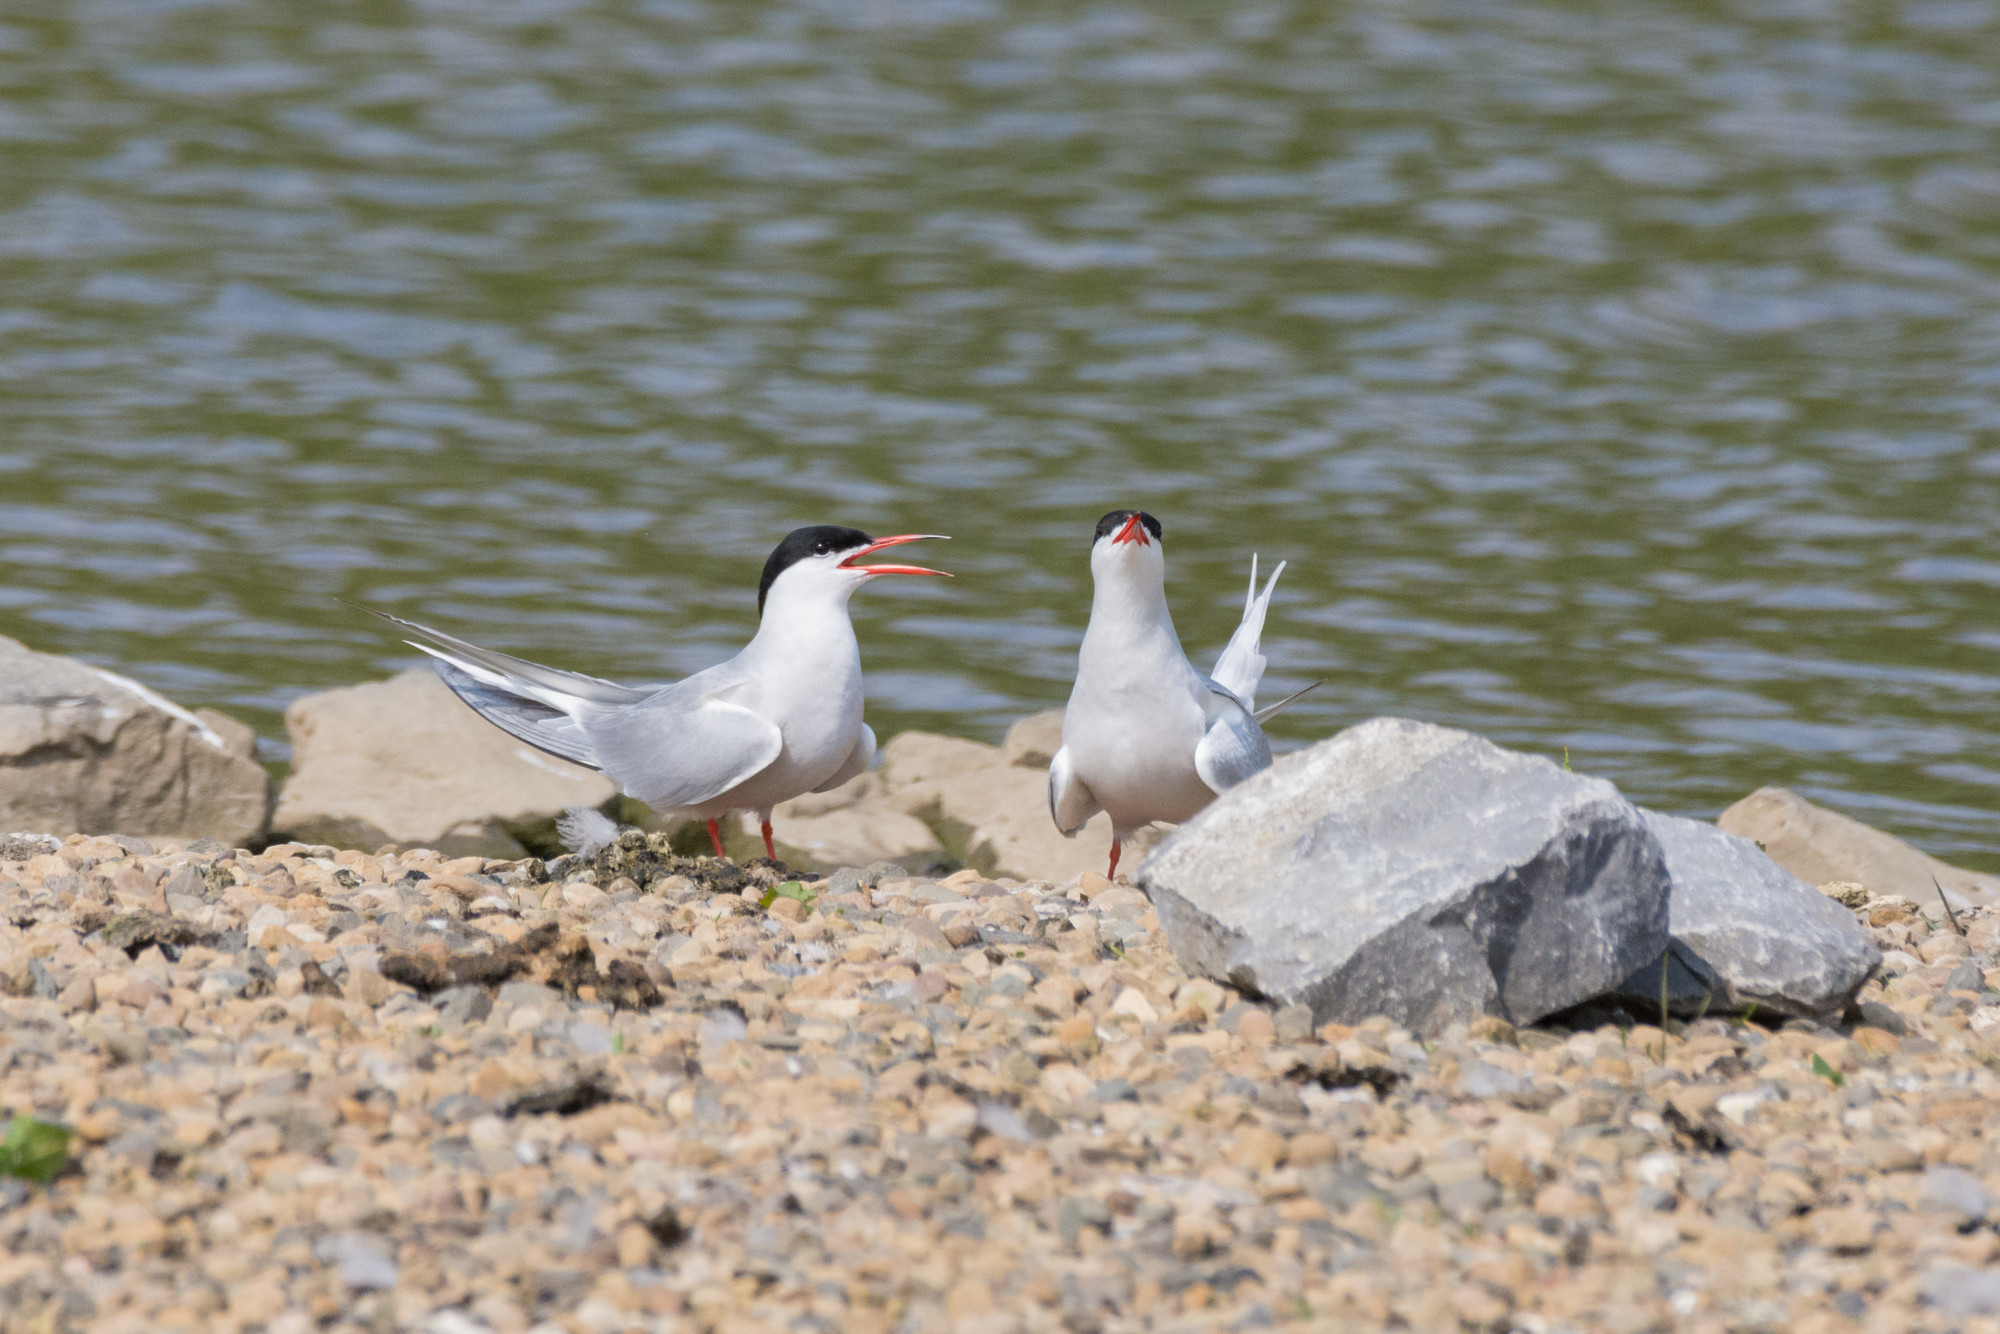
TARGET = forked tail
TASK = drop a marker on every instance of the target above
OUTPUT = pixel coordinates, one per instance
(542, 706)
(1241, 666)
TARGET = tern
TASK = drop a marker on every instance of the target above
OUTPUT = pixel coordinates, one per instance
(1147, 737)
(778, 720)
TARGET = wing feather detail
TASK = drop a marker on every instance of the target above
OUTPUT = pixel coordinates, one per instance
(1234, 747)
(680, 749)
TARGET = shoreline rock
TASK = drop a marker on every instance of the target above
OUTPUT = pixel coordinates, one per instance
(1747, 932)
(1821, 846)
(1417, 872)
(86, 750)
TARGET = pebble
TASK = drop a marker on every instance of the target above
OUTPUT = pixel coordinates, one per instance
(642, 1101)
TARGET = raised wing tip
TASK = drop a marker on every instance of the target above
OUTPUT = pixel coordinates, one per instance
(1272, 710)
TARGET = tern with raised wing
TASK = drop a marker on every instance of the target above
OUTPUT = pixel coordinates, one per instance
(778, 720)
(1146, 736)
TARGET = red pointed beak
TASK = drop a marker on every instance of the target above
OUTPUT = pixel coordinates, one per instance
(881, 543)
(1133, 531)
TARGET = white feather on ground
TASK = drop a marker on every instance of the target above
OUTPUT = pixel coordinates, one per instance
(586, 831)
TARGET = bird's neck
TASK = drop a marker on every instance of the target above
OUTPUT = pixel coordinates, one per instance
(802, 633)
(1128, 615)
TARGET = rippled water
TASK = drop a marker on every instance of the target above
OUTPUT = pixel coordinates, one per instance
(1625, 381)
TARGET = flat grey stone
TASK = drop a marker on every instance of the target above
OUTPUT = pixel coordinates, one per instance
(1417, 872)
(1115, 1090)
(458, 1108)
(532, 993)
(463, 1005)
(1968, 976)
(1077, 1212)
(362, 1260)
(1745, 930)
(1955, 1191)
(1469, 1199)
(1958, 1291)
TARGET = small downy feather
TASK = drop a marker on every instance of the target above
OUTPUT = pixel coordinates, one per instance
(585, 831)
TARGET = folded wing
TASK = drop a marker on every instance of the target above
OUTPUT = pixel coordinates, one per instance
(1234, 747)
(1071, 803)
(682, 747)
(857, 760)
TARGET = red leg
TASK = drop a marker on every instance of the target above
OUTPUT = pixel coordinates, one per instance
(770, 849)
(715, 837)
(1116, 848)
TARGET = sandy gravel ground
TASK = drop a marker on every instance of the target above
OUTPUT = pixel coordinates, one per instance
(320, 1091)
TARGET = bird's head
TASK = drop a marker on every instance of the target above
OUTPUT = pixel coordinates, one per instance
(1128, 547)
(823, 561)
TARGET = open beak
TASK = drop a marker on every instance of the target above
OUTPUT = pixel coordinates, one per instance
(1133, 531)
(882, 543)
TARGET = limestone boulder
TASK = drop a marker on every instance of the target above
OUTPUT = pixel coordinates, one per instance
(83, 750)
(403, 761)
(1821, 846)
(1034, 740)
(1418, 872)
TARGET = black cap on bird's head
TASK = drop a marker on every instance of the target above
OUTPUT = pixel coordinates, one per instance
(835, 548)
(1123, 526)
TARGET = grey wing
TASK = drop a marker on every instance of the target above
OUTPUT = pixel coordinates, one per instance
(521, 716)
(517, 675)
(1234, 747)
(857, 760)
(1071, 803)
(539, 705)
(683, 746)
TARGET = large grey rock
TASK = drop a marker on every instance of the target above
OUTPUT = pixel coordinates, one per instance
(1821, 846)
(1417, 872)
(1745, 930)
(83, 750)
(403, 761)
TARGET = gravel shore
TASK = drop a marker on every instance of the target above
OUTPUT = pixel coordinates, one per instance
(312, 1090)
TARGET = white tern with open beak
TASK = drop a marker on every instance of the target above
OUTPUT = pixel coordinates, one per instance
(780, 719)
(1146, 737)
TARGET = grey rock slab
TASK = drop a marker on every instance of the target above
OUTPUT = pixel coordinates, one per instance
(1745, 930)
(1956, 1191)
(1418, 872)
(463, 1005)
(1957, 1291)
